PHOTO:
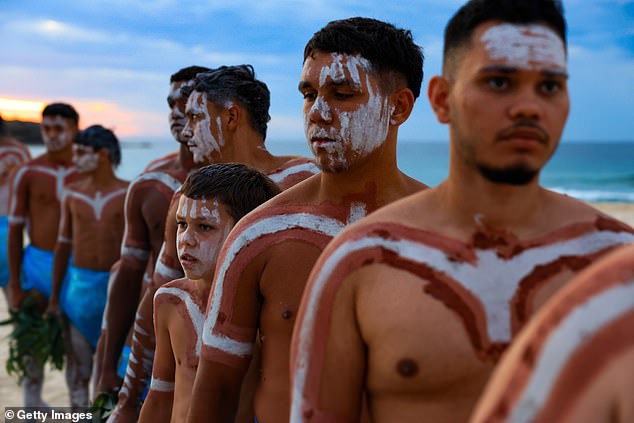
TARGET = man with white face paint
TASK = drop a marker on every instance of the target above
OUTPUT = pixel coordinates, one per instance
(91, 229)
(147, 203)
(37, 188)
(241, 129)
(411, 308)
(212, 200)
(359, 81)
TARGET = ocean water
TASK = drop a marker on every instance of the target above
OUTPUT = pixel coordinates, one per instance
(587, 171)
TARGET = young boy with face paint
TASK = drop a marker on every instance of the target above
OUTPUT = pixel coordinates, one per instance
(212, 200)
(146, 206)
(240, 104)
(37, 188)
(359, 81)
(91, 229)
(12, 154)
(574, 361)
(411, 308)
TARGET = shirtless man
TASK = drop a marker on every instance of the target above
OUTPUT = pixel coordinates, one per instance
(359, 82)
(574, 362)
(37, 188)
(413, 306)
(240, 106)
(12, 154)
(212, 200)
(91, 229)
(146, 204)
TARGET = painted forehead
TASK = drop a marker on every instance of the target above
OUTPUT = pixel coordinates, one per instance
(342, 67)
(196, 103)
(208, 209)
(55, 121)
(177, 89)
(525, 46)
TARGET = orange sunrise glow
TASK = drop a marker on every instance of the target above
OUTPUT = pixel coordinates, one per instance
(25, 110)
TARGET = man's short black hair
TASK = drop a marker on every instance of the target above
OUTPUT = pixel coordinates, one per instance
(188, 73)
(386, 47)
(461, 26)
(98, 137)
(238, 84)
(61, 109)
(238, 187)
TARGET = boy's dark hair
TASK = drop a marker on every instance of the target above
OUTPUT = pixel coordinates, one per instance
(63, 110)
(238, 84)
(461, 26)
(387, 48)
(98, 137)
(238, 187)
(188, 73)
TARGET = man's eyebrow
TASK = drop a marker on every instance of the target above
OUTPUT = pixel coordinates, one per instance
(498, 69)
(551, 73)
(304, 85)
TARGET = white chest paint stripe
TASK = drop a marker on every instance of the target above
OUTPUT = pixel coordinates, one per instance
(98, 203)
(278, 177)
(196, 315)
(59, 174)
(492, 280)
(581, 324)
(267, 226)
(161, 385)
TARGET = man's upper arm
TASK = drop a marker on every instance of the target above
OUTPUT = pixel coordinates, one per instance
(167, 266)
(327, 380)
(135, 248)
(19, 205)
(65, 233)
(164, 366)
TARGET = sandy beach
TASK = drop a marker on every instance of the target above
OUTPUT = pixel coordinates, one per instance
(55, 389)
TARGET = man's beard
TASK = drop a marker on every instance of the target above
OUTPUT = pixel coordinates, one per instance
(513, 175)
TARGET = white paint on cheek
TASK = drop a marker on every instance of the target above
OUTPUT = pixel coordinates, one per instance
(87, 162)
(205, 143)
(525, 46)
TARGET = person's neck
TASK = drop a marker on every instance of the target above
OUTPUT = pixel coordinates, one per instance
(62, 157)
(378, 172)
(203, 286)
(473, 200)
(103, 177)
(247, 147)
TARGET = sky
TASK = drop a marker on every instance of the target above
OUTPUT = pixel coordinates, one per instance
(112, 59)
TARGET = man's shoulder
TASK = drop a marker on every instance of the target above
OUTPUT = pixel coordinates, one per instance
(168, 161)
(156, 178)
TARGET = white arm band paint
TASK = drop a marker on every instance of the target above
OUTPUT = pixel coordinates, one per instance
(161, 385)
(16, 220)
(64, 240)
(136, 253)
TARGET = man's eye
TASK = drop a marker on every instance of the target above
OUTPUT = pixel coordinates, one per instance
(343, 94)
(205, 228)
(551, 87)
(309, 96)
(498, 82)
(181, 224)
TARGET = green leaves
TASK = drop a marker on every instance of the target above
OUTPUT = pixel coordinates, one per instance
(104, 405)
(34, 337)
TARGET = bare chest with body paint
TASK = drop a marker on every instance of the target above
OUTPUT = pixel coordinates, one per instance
(10, 158)
(435, 313)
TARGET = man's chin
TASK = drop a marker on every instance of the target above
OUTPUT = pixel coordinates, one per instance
(517, 175)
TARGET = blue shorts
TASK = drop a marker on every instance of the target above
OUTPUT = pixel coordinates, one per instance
(37, 270)
(83, 300)
(123, 366)
(4, 254)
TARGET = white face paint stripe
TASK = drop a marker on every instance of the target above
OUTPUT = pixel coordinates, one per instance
(98, 203)
(159, 385)
(578, 326)
(492, 280)
(196, 315)
(285, 173)
(192, 208)
(267, 226)
(525, 46)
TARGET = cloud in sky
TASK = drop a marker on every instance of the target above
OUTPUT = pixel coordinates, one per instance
(121, 53)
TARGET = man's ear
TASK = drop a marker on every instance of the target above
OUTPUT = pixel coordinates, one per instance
(232, 115)
(403, 101)
(438, 94)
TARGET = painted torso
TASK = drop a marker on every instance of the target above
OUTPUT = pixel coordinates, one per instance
(97, 224)
(38, 188)
(293, 172)
(10, 157)
(434, 312)
(575, 361)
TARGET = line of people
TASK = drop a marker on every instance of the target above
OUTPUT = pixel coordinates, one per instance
(241, 285)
